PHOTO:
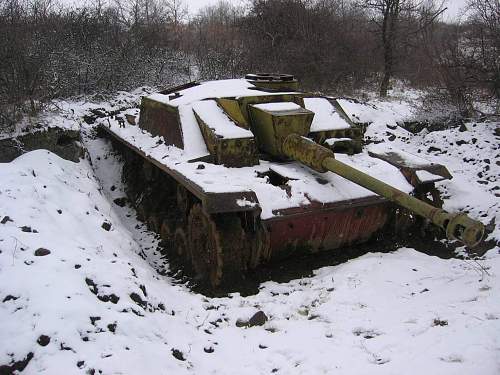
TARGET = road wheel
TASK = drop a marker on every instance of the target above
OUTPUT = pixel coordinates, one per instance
(218, 246)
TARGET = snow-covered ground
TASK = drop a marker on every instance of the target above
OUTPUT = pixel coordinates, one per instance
(100, 302)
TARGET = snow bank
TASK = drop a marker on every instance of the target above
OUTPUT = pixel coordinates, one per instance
(99, 298)
(104, 307)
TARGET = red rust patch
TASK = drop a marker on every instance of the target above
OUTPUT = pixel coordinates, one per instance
(326, 229)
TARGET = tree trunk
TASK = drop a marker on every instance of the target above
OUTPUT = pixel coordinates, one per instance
(388, 65)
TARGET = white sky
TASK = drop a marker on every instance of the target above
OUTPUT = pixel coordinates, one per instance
(195, 5)
(454, 6)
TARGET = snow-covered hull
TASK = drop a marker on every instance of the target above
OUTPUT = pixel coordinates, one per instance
(208, 170)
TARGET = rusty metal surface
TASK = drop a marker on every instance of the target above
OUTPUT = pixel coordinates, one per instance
(327, 229)
(161, 120)
(171, 90)
(230, 202)
(408, 170)
(232, 152)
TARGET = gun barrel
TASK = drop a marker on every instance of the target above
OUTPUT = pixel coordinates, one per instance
(456, 225)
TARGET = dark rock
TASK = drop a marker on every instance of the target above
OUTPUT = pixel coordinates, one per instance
(5, 220)
(208, 350)
(258, 319)
(9, 298)
(130, 119)
(17, 366)
(113, 298)
(59, 212)
(41, 252)
(433, 149)
(92, 285)
(461, 142)
(112, 327)
(178, 355)
(106, 226)
(200, 166)
(64, 347)
(138, 300)
(77, 266)
(26, 229)
(43, 340)
(94, 319)
(121, 202)
(462, 128)
(439, 322)
(80, 364)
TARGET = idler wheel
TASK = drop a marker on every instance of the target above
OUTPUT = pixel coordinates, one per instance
(217, 245)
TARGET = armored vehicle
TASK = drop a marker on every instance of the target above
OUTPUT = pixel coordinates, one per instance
(236, 173)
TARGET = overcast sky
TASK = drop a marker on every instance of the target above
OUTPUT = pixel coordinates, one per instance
(454, 6)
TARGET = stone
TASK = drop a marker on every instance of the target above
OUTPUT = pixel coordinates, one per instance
(43, 340)
(106, 226)
(258, 319)
(41, 252)
(178, 355)
(130, 119)
(5, 220)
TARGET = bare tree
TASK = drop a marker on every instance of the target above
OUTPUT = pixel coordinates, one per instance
(389, 15)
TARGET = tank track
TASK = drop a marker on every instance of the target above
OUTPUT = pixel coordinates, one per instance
(217, 248)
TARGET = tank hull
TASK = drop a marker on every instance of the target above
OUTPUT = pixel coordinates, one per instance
(319, 228)
(218, 171)
(307, 229)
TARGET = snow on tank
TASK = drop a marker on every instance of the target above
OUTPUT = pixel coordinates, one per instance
(256, 164)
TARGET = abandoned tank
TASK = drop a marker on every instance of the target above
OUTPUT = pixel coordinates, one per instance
(236, 173)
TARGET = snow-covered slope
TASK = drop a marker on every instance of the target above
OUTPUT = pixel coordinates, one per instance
(102, 299)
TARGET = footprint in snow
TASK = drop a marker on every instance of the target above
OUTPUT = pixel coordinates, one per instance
(452, 358)
(366, 333)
